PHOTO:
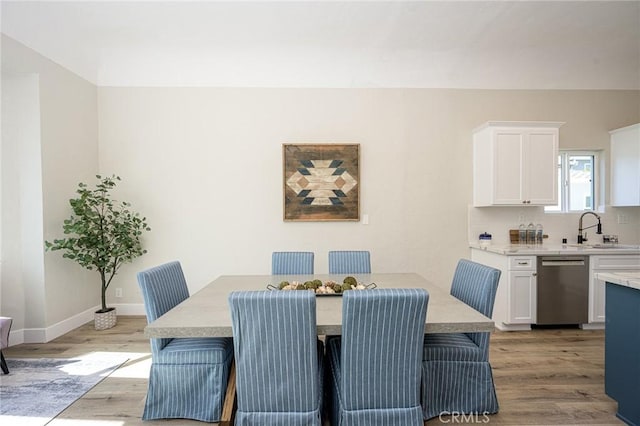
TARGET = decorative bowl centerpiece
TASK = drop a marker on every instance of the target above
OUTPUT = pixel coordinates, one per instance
(327, 288)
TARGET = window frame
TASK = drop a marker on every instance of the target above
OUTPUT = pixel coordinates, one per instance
(564, 191)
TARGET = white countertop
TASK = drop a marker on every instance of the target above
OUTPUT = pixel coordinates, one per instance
(564, 249)
(627, 279)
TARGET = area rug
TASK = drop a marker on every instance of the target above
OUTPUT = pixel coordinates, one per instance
(37, 390)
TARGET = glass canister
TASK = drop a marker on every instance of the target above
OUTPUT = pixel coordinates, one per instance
(531, 233)
(539, 233)
(522, 234)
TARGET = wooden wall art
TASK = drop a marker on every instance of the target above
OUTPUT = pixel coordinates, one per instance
(321, 182)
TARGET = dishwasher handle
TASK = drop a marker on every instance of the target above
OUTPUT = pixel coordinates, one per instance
(550, 261)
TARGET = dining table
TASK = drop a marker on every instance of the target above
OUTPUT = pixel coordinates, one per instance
(207, 314)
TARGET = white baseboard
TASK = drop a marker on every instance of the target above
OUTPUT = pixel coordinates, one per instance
(44, 335)
(130, 308)
(16, 337)
(513, 327)
(593, 326)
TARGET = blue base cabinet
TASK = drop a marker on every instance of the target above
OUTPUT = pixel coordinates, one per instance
(622, 350)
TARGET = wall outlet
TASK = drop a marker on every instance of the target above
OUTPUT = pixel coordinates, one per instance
(118, 292)
(622, 219)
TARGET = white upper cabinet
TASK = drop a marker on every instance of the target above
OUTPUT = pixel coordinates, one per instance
(515, 163)
(625, 166)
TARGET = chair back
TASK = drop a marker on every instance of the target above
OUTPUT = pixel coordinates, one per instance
(292, 263)
(349, 262)
(163, 287)
(5, 329)
(276, 351)
(381, 349)
(476, 285)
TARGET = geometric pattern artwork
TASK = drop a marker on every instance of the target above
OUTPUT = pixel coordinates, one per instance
(321, 182)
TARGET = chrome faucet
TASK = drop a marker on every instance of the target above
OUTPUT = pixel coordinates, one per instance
(582, 238)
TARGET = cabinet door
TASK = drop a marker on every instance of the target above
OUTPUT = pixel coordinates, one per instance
(625, 166)
(540, 167)
(598, 305)
(606, 263)
(507, 174)
(522, 297)
(515, 163)
(526, 167)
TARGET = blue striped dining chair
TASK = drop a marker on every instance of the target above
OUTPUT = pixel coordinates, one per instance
(278, 358)
(292, 263)
(456, 374)
(373, 369)
(349, 262)
(188, 377)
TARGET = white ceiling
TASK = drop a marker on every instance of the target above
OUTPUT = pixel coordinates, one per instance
(472, 44)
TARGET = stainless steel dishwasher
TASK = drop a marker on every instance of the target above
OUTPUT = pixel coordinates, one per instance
(563, 290)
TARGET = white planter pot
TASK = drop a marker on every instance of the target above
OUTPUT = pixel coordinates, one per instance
(105, 320)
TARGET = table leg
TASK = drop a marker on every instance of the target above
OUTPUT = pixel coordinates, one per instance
(228, 409)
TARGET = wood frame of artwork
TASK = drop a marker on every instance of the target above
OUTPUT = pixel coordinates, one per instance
(321, 182)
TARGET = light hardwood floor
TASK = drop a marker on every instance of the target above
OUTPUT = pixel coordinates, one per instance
(543, 377)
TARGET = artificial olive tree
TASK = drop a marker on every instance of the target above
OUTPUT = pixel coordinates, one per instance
(103, 233)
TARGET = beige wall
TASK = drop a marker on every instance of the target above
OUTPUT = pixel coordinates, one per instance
(44, 292)
(22, 200)
(205, 166)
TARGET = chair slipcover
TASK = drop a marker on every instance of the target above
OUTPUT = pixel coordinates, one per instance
(278, 358)
(5, 328)
(292, 263)
(456, 374)
(349, 262)
(373, 369)
(188, 377)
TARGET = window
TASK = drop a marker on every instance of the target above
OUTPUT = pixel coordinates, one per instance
(577, 174)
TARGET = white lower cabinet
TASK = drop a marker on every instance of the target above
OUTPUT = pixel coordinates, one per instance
(522, 297)
(516, 300)
(606, 263)
(515, 305)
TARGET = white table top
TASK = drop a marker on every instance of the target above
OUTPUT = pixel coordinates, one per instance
(206, 313)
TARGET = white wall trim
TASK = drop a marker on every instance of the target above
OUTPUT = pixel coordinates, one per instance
(16, 337)
(44, 335)
(593, 326)
(130, 308)
(69, 324)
